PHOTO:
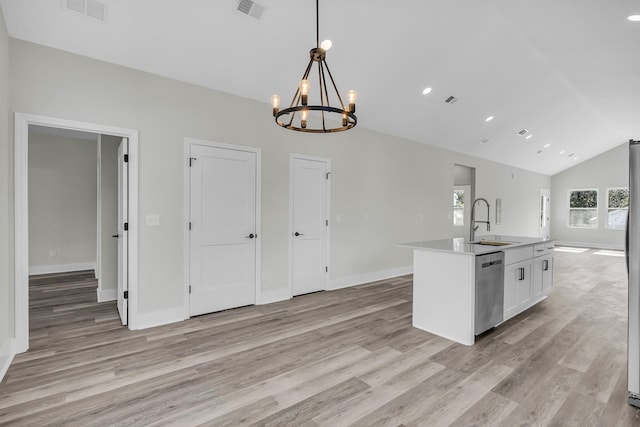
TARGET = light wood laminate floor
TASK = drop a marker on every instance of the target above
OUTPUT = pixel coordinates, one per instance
(347, 357)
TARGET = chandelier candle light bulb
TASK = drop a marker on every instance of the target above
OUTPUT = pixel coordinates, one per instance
(304, 115)
(304, 91)
(275, 102)
(351, 97)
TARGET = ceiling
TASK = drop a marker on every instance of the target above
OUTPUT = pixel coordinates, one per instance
(567, 71)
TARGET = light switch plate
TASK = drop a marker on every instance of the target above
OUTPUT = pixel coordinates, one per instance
(152, 220)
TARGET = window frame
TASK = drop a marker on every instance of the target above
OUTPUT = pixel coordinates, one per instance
(606, 225)
(569, 209)
(461, 207)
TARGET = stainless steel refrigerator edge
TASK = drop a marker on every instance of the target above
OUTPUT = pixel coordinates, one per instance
(633, 268)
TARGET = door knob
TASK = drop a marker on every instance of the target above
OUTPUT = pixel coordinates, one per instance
(251, 236)
(298, 234)
(115, 235)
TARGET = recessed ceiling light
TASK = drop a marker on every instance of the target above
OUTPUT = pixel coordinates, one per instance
(426, 91)
(528, 137)
(547, 145)
(563, 151)
(326, 44)
(488, 119)
(634, 18)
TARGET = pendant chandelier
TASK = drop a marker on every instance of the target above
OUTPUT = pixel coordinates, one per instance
(297, 116)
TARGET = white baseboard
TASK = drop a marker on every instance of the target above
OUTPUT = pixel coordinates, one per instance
(61, 268)
(610, 246)
(7, 352)
(274, 296)
(105, 295)
(359, 279)
(159, 318)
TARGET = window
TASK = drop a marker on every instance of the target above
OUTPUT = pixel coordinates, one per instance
(583, 208)
(617, 207)
(458, 207)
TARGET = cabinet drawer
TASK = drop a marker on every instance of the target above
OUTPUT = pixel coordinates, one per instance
(543, 249)
(518, 254)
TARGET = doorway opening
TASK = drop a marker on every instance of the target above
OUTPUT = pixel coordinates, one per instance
(464, 193)
(25, 127)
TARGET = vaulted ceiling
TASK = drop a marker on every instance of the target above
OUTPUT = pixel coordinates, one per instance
(566, 71)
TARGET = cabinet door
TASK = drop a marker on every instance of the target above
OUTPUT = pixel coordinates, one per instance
(524, 285)
(517, 288)
(511, 276)
(547, 274)
(537, 278)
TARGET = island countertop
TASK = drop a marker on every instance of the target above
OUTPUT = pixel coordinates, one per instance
(459, 246)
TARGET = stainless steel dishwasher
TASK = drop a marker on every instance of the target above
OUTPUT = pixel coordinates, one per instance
(489, 290)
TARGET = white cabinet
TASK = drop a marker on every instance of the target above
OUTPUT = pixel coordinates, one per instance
(528, 277)
(517, 288)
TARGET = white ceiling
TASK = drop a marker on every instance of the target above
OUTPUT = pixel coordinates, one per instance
(568, 71)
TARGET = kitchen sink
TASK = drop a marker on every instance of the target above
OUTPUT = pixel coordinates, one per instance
(493, 243)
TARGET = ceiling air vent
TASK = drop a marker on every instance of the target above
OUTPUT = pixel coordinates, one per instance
(92, 8)
(523, 132)
(484, 140)
(451, 100)
(251, 8)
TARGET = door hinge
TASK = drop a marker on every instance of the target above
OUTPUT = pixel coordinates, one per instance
(191, 159)
(326, 269)
(326, 221)
(126, 226)
(189, 225)
(126, 158)
(328, 173)
(126, 294)
(189, 288)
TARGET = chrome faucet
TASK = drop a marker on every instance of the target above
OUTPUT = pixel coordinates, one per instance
(473, 227)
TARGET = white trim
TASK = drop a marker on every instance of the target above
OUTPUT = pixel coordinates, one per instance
(21, 215)
(610, 246)
(159, 318)
(269, 297)
(359, 279)
(188, 142)
(62, 268)
(105, 295)
(98, 269)
(327, 161)
(7, 353)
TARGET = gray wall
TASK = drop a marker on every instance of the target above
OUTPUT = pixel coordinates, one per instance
(62, 202)
(404, 187)
(608, 170)
(108, 164)
(6, 200)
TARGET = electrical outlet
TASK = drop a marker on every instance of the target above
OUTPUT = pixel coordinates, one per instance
(53, 253)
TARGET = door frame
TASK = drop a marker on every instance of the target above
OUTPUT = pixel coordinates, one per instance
(544, 192)
(188, 142)
(292, 157)
(21, 212)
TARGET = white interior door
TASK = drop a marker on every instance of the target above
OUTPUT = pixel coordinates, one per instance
(223, 229)
(309, 221)
(123, 226)
(545, 213)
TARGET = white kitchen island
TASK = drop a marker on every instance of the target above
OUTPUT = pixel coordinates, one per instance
(444, 282)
